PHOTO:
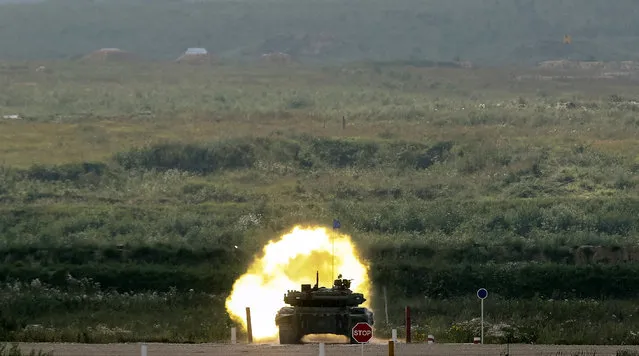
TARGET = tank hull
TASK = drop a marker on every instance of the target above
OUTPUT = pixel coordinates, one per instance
(296, 322)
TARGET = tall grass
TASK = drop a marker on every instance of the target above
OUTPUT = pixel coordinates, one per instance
(15, 350)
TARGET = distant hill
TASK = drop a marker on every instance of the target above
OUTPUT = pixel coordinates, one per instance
(482, 31)
(20, 1)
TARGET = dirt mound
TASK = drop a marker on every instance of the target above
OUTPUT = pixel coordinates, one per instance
(109, 55)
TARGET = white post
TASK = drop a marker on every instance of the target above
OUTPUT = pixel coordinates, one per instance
(321, 349)
(482, 321)
(394, 333)
(143, 350)
(233, 335)
(362, 349)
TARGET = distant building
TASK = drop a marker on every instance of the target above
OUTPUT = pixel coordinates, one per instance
(196, 51)
(195, 55)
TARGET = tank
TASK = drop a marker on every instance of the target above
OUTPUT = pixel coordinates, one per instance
(321, 310)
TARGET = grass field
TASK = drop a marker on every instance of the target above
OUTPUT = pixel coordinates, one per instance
(124, 187)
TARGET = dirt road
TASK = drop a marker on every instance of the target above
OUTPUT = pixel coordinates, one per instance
(378, 349)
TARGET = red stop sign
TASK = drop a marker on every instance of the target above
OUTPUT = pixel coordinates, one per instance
(362, 332)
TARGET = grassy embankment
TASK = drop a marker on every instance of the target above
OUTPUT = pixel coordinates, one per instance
(142, 178)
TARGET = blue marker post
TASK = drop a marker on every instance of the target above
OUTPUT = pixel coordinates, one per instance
(482, 294)
(336, 225)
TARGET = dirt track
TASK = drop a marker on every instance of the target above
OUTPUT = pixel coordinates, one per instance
(378, 349)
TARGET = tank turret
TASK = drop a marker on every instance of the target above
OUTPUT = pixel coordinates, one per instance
(339, 295)
(321, 310)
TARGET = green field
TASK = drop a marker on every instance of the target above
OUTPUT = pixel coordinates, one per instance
(125, 187)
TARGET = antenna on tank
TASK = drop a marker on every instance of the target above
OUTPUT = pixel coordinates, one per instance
(336, 225)
(333, 262)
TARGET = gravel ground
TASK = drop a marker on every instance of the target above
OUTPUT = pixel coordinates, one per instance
(374, 349)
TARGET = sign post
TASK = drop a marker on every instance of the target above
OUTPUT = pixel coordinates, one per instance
(362, 333)
(482, 294)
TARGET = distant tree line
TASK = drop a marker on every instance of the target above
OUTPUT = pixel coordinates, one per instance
(482, 31)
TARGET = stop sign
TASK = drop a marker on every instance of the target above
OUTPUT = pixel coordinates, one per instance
(362, 332)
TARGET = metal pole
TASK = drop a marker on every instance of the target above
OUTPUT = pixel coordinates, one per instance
(143, 350)
(362, 349)
(333, 252)
(482, 321)
(233, 335)
(321, 349)
(333, 263)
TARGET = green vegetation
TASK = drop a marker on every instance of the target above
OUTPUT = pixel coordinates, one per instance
(125, 190)
(483, 31)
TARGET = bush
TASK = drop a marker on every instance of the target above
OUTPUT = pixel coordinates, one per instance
(298, 151)
(65, 172)
(189, 157)
(511, 280)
